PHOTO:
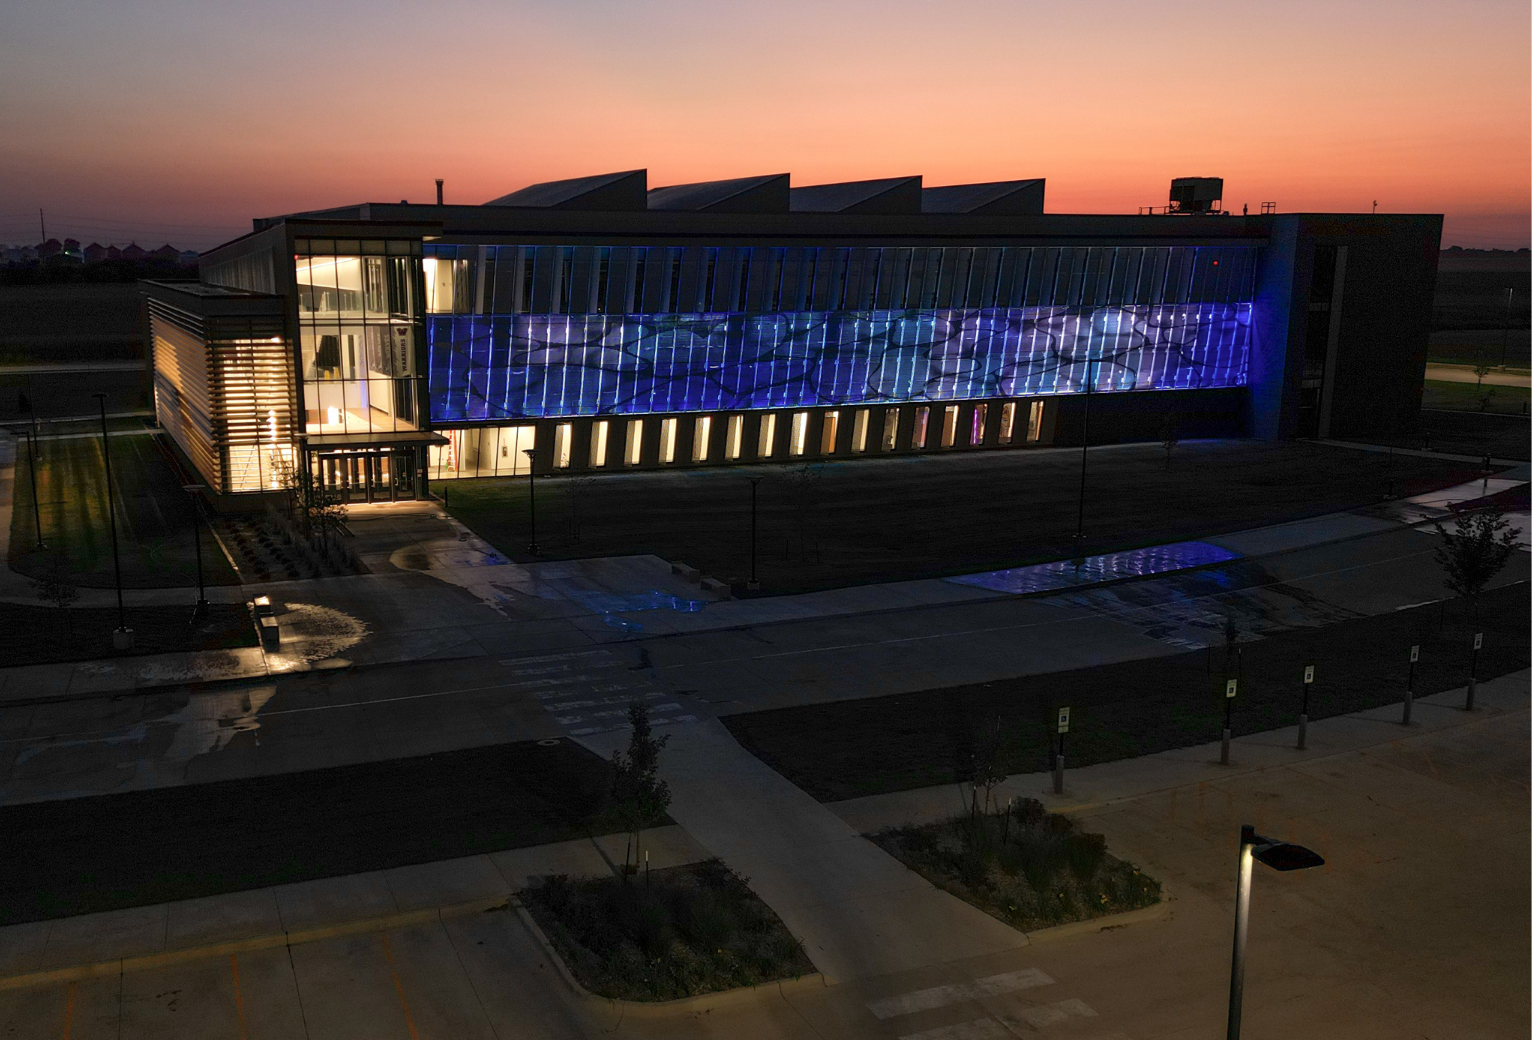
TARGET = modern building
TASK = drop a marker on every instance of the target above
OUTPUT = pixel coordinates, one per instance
(599, 325)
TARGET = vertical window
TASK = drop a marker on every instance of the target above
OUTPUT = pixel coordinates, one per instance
(742, 296)
(980, 415)
(673, 299)
(633, 450)
(603, 276)
(734, 441)
(598, 434)
(768, 436)
(563, 441)
(890, 429)
(859, 430)
(808, 280)
(918, 432)
(798, 442)
(700, 435)
(828, 432)
(528, 268)
(640, 260)
(667, 441)
(709, 280)
(949, 425)
(1007, 421)
(566, 277)
(1035, 423)
(776, 293)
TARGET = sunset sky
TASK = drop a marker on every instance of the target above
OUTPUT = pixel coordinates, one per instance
(180, 119)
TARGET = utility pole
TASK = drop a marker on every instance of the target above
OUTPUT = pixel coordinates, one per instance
(41, 223)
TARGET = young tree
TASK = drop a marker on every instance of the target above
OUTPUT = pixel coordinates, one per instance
(1474, 551)
(1481, 370)
(987, 771)
(1170, 435)
(639, 797)
(55, 587)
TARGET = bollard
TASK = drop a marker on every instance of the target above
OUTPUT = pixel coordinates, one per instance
(1409, 686)
(1303, 714)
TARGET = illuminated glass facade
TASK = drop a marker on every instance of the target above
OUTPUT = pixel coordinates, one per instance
(532, 332)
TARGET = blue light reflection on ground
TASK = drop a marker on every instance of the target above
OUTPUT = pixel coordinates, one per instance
(1092, 570)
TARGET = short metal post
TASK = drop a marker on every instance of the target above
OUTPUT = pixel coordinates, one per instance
(1228, 705)
(1303, 716)
(1409, 693)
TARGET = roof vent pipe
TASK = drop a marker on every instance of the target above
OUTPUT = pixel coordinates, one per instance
(438, 191)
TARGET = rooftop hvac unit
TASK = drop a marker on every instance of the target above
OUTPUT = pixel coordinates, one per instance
(1196, 195)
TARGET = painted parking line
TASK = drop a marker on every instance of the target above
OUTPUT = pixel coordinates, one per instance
(941, 996)
(979, 1029)
(239, 998)
(70, 993)
(404, 1003)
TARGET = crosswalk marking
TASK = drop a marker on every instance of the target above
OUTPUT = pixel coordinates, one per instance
(589, 691)
(981, 1029)
(1052, 1014)
(940, 996)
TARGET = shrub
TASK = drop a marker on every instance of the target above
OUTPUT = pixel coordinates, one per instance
(1085, 853)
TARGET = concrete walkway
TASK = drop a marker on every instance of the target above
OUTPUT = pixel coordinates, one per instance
(1465, 374)
(858, 911)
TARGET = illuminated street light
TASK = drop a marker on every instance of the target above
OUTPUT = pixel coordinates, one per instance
(1278, 855)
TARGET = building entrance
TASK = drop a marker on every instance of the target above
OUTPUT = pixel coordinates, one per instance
(366, 476)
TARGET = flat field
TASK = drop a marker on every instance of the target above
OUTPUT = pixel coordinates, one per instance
(835, 524)
(154, 516)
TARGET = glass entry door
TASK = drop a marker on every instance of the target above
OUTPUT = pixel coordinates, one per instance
(367, 476)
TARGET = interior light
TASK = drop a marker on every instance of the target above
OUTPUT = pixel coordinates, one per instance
(332, 416)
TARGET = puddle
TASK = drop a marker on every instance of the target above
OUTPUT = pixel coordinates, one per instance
(1093, 570)
(311, 633)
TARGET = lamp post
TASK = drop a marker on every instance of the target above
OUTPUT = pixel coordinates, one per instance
(122, 639)
(1084, 450)
(194, 490)
(37, 516)
(754, 584)
(1278, 855)
(1505, 330)
(531, 454)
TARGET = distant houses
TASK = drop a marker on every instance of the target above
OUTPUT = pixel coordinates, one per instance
(53, 253)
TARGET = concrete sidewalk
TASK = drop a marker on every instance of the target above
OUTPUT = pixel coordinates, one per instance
(858, 911)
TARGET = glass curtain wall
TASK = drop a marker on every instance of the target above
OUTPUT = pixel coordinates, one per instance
(359, 315)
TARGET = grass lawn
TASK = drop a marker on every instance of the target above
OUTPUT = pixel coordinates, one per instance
(853, 748)
(1475, 434)
(1024, 865)
(835, 524)
(104, 853)
(43, 635)
(1467, 397)
(677, 933)
(154, 516)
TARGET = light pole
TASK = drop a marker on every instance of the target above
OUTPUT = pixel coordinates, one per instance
(1084, 449)
(531, 454)
(194, 490)
(122, 639)
(1505, 331)
(754, 584)
(37, 516)
(1278, 855)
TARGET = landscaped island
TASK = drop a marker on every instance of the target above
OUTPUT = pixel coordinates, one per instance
(1024, 865)
(678, 932)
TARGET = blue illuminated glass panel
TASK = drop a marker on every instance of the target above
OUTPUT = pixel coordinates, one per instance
(509, 366)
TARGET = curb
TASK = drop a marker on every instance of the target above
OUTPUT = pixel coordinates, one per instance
(665, 1008)
(144, 962)
(1157, 912)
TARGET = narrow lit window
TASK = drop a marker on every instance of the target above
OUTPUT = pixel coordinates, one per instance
(918, 433)
(798, 442)
(566, 277)
(949, 425)
(598, 435)
(563, 441)
(743, 296)
(527, 270)
(640, 258)
(768, 438)
(709, 280)
(980, 416)
(700, 435)
(667, 441)
(603, 277)
(1007, 421)
(859, 430)
(633, 449)
(1035, 423)
(734, 442)
(890, 429)
(673, 301)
